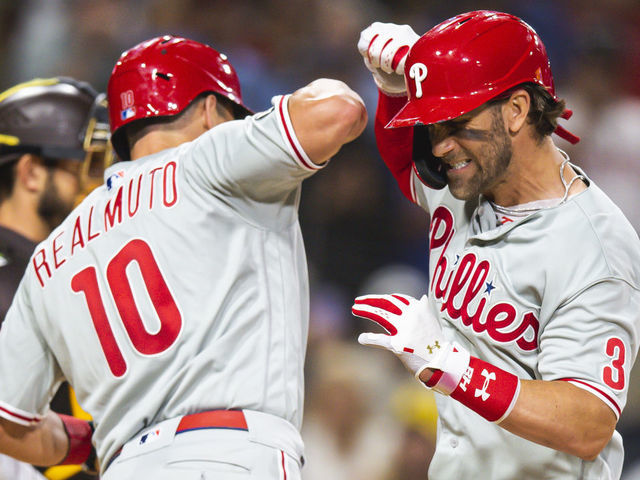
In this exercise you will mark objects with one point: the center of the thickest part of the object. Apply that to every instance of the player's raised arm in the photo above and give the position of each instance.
(384, 48)
(325, 115)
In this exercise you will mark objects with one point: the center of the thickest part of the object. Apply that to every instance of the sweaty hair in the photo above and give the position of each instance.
(139, 128)
(544, 111)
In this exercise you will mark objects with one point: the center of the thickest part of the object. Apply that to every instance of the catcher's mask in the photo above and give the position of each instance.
(461, 64)
(161, 77)
(56, 118)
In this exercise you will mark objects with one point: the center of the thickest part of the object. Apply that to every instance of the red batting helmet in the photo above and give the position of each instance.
(468, 60)
(161, 77)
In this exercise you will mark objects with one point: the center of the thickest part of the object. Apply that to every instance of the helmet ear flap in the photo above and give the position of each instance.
(430, 169)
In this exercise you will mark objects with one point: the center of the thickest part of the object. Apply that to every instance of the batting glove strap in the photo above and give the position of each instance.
(484, 388)
(79, 433)
(450, 364)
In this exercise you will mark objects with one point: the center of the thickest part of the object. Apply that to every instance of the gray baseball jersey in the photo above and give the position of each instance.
(554, 295)
(12, 469)
(178, 286)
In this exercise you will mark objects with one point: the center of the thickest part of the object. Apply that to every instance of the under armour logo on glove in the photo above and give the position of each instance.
(432, 348)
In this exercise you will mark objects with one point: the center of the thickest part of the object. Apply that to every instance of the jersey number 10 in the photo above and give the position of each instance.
(86, 281)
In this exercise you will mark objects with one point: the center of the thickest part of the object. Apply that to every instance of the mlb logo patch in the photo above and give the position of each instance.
(149, 437)
(127, 113)
(112, 179)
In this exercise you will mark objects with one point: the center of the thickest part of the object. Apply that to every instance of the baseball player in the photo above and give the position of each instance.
(530, 326)
(174, 298)
(51, 130)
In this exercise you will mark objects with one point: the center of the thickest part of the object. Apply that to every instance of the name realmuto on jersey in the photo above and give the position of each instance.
(464, 291)
(156, 187)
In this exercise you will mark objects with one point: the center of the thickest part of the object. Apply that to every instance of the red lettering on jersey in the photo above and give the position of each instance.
(503, 316)
(89, 235)
(173, 184)
(59, 247)
(529, 321)
(77, 238)
(460, 280)
(477, 283)
(469, 280)
(441, 220)
(145, 342)
(438, 274)
(56, 249)
(37, 265)
(132, 213)
(465, 286)
(152, 173)
(110, 213)
(441, 234)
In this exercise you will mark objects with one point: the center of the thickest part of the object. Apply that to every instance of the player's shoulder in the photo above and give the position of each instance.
(600, 225)
(604, 219)
(216, 143)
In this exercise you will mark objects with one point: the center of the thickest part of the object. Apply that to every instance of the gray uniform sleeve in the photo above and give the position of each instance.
(592, 341)
(258, 158)
(29, 372)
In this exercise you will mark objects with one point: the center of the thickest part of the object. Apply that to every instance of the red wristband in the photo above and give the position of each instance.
(487, 390)
(79, 433)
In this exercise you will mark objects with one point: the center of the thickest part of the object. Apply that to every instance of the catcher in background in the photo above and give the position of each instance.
(54, 133)
(530, 326)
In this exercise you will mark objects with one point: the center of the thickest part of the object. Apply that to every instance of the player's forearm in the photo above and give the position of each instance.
(394, 144)
(325, 115)
(555, 414)
(43, 444)
(561, 416)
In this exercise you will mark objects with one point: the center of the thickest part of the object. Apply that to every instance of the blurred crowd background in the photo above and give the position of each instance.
(366, 418)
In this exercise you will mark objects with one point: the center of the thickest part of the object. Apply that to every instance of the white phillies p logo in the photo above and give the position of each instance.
(418, 72)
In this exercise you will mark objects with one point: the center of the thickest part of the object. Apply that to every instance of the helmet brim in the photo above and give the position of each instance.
(439, 110)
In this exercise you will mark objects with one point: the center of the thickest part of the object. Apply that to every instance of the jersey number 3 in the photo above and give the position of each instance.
(86, 282)
(613, 374)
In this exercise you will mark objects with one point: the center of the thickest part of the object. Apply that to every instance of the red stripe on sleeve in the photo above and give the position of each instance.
(289, 134)
(601, 392)
(20, 417)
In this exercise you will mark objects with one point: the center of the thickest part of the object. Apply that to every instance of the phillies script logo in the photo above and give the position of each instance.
(464, 291)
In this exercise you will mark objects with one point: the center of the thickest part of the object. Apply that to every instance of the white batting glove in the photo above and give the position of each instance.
(384, 48)
(415, 335)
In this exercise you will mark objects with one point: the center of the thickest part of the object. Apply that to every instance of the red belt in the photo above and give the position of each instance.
(231, 419)
(228, 419)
